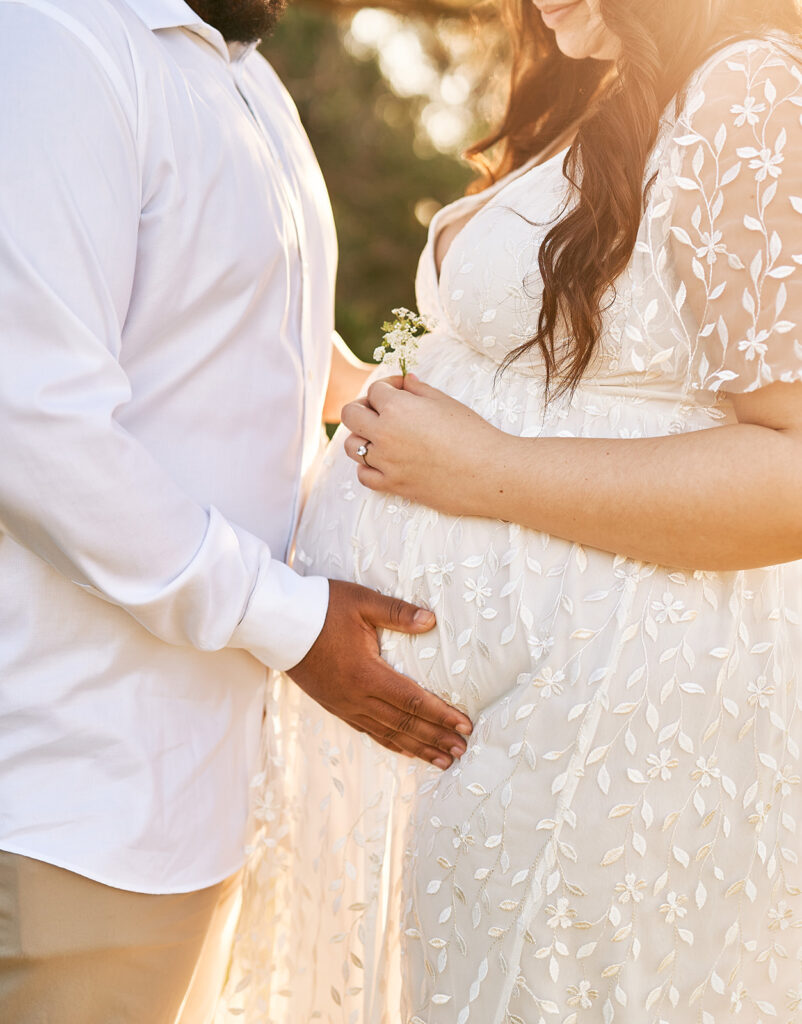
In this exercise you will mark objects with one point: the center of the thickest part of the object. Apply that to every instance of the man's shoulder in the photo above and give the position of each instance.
(109, 21)
(107, 28)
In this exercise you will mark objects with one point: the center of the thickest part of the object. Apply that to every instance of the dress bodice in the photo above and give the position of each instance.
(715, 259)
(472, 297)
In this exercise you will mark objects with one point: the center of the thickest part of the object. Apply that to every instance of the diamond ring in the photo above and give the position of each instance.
(362, 451)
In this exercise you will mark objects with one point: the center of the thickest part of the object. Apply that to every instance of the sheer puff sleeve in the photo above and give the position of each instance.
(736, 227)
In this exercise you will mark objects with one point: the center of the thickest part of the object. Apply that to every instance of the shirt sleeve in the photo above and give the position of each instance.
(75, 488)
(736, 232)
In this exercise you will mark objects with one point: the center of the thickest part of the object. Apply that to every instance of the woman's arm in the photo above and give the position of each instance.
(347, 379)
(720, 499)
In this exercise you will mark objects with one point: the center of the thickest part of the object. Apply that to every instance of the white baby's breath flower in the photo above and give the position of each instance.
(402, 337)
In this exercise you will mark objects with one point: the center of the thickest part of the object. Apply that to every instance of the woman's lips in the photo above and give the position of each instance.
(555, 14)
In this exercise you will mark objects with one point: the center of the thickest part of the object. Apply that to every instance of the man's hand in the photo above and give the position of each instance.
(344, 672)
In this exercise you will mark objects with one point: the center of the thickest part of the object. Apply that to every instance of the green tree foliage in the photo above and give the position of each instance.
(378, 171)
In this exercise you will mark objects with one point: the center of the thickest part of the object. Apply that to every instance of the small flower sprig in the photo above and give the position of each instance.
(402, 337)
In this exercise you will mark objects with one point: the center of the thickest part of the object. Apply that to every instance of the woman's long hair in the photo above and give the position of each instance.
(617, 107)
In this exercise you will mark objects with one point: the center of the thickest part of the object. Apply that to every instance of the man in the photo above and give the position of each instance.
(166, 279)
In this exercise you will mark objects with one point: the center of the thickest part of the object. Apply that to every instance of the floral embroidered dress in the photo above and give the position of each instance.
(622, 840)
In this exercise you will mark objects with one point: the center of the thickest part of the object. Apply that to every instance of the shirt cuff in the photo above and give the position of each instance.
(284, 617)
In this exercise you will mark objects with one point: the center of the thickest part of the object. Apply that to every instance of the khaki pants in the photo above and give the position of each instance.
(73, 951)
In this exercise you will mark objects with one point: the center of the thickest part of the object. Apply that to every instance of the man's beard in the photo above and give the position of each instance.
(240, 21)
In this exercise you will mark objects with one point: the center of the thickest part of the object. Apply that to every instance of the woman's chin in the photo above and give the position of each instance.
(581, 46)
(575, 49)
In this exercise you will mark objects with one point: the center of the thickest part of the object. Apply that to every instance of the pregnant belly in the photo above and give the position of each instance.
(515, 608)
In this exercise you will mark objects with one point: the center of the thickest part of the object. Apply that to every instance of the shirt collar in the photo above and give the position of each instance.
(165, 14)
(158, 14)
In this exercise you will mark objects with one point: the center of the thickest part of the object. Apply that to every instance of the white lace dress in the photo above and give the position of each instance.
(622, 840)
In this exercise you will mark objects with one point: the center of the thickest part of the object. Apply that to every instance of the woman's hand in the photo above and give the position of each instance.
(422, 445)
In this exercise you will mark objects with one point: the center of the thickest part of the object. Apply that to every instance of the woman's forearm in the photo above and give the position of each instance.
(723, 498)
(720, 499)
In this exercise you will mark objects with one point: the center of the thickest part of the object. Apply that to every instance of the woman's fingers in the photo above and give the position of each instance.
(373, 479)
(368, 469)
(382, 392)
(415, 386)
(360, 419)
(352, 444)
(396, 381)
(355, 446)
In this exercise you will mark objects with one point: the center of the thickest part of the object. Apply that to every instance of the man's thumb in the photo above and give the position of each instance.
(393, 613)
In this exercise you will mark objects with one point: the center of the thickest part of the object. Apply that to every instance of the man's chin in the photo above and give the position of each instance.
(240, 21)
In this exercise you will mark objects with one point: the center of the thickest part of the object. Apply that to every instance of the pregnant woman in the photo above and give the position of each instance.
(595, 480)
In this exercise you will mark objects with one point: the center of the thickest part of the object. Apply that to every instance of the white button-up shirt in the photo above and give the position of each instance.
(167, 259)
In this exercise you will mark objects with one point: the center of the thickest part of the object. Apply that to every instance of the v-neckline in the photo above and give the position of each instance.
(490, 194)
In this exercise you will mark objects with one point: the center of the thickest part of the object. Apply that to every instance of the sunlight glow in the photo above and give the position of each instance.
(445, 119)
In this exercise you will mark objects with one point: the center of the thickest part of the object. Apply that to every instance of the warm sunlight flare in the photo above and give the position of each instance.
(411, 72)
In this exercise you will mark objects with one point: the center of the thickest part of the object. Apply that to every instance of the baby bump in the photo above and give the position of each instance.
(515, 608)
(517, 611)
(529, 625)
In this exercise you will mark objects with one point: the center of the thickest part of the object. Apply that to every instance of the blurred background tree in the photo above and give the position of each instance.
(389, 98)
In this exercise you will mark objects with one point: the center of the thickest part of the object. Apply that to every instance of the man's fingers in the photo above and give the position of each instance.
(403, 723)
(418, 703)
(402, 743)
(379, 733)
(393, 613)
(417, 710)
(377, 730)
(343, 671)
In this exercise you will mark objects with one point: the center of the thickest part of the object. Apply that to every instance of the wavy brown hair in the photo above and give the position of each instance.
(617, 109)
